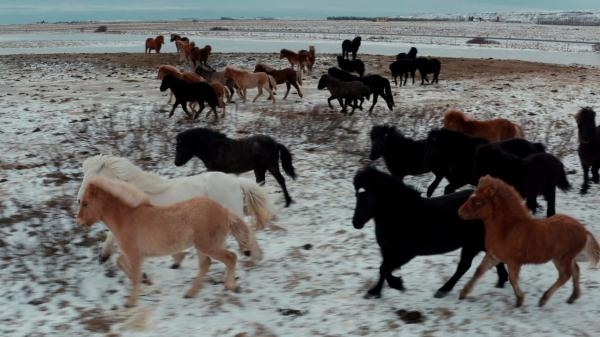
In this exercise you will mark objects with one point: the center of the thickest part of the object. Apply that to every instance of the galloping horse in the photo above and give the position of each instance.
(155, 44)
(244, 79)
(302, 59)
(288, 76)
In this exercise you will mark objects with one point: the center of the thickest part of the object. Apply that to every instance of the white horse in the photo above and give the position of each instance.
(234, 193)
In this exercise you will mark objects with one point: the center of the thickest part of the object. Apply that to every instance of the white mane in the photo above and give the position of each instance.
(126, 192)
(122, 169)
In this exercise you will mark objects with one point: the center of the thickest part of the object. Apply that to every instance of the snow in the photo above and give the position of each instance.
(52, 283)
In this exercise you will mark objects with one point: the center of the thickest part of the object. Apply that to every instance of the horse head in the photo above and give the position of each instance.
(88, 213)
(167, 82)
(183, 150)
(379, 136)
(323, 81)
(586, 125)
(366, 202)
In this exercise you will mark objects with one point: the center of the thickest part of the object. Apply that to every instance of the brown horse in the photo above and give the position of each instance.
(494, 130)
(244, 79)
(221, 92)
(200, 55)
(144, 230)
(154, 43)
(288, 76)
(190, 77)
(516, 238)
(312, 57)
(301, 60)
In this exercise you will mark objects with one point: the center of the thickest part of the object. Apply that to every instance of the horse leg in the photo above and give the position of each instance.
(174, 107)
(108, 247)
(502, 275)
(329, 101)
(200, 108)
(384, 271)
(396, 282)
(513, 277)
(434, 184)
(260, 91)
(177, 258)
(595, 177)
(288, 86)
(274, 169)
(576, 290)
(375, 96)
(184, 107)
(466, 258)
(297, 89)
(532, 204)
(259, 174)
(564, 272)
(586, 178)
(229, 259)
(133, 268)
(450, 188)
(170, 96)
(488, 262)
(203, 264)
(550, 196)
(343, 104)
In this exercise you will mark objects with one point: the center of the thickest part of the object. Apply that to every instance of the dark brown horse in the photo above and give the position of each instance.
(200, 55)
(154, 43)
(288, 76)
(299, 59)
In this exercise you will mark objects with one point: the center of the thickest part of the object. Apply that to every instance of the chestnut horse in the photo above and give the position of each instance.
(144, 230)
(155, 44)
(244, 79)
(516, 238)
(494, 130)
(199, 55)
(299, 59)
(288, 76)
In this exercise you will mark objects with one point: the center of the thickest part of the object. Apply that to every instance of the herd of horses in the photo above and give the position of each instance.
(149, 215)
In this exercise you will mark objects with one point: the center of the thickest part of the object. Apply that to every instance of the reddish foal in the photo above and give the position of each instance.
(494, 130)
(155, 44)
(516, 238)
(300, 59)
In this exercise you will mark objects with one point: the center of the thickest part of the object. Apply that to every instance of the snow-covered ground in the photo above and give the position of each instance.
(57, 110)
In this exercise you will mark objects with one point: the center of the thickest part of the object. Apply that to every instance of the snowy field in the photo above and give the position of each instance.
(57, 110)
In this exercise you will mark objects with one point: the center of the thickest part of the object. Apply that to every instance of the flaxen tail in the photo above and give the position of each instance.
(286, 161)
(256, 203)
(245, 237)
(592, 249)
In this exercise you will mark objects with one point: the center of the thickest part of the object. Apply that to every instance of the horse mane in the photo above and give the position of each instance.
(126, 192)
(503, 197)
(383, 184)
(125, 170)
(286, 51)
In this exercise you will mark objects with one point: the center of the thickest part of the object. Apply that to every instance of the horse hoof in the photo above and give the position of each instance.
(175, 266)
(440, 293)
(370, 295)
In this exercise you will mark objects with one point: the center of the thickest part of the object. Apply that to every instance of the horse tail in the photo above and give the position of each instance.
(563, 182)
(244, 236)
(299, 76)
(256, 203)
(286, 161)
(388, 92)
(592, 249)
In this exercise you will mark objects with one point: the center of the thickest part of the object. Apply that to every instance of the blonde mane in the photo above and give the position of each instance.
(121, 190)
(124, 170)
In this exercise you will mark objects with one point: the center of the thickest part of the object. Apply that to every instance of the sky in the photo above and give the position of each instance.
(24, 11)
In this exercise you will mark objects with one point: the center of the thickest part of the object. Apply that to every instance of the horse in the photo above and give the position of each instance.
(428, 66)
(402, 68)
(240, 195)
(354, 65)
(177, 37)
(295, 58)
(345, 92)
(588, 135)
(532, 174)
(188, 92)
(165, 69)
(184, 50)
(200, 55)
(244, 79)
(514, 237)
(350, 47)
(145, 230)
(402, 155)
(378, 85)
(260, 153)
(154, 43)
(494, 130)
(289, 76)
(312, 57)
(211, 75)
(407, 225)
(412, 54)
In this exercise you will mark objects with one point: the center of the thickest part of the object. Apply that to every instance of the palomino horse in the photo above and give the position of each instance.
(244, 79)
(516, 238)
(238, 194)
(146, 230)
(494, 130)
(299, 59)
(154, 43)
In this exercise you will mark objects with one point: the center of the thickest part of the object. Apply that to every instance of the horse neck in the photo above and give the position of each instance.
(506, 212)
(113, 210)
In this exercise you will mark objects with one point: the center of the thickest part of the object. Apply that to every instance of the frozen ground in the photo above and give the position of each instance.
(57, 110)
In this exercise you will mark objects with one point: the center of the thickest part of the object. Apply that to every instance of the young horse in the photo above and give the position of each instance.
(402, 68)
(378, 85)
(350, 47)
(219, 153)
(289, 76)
(295, 58)
(402, 155)
(154, 43)
(494, 130)
(412, 54)
(407, 225)
(356, 66)
(165, 69)
(588, 135)
(244, 79)
(514, 237)
(145, 230)
(189, 92)
(239, 195)
(347, 93)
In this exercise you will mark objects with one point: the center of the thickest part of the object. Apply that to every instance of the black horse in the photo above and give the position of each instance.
(589, 146)
(407, 225)
(428, 66)
(356, 66)
(378, 85)
(412, 54)
(219, 153)
(402, 156)
(185, 92)
(350, 47)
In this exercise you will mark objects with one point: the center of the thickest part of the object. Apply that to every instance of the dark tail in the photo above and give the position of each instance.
(286, 161)
(388, 93)
(563, 182)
